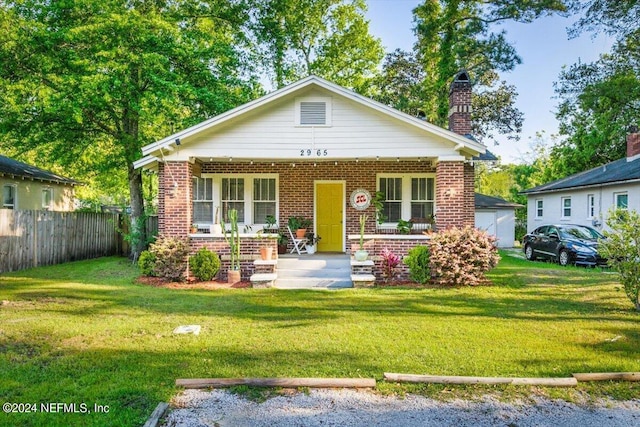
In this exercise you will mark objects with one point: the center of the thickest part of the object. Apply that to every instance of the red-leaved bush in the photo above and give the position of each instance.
(462, 256)
(390, 262)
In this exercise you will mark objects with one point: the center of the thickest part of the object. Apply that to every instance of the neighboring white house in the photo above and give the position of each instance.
(586, 197)
(497, 217)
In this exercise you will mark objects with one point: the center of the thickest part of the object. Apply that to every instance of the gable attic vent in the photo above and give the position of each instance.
(313, 113)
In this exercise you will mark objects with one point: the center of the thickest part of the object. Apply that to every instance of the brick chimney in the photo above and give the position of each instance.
(633, 142)
(460, 104)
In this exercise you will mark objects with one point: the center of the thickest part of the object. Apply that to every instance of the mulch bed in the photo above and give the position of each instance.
(159, 282)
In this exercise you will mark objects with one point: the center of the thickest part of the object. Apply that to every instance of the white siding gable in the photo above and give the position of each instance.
(352, 130)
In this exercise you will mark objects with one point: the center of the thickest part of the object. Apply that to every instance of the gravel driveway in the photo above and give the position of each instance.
(196, 408)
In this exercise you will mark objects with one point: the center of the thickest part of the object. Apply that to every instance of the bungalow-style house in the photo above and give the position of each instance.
(27, 187)
(586, 198)
(317, 150)
(497, 217)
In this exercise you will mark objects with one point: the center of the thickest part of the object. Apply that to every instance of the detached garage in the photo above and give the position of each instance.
(498, 217)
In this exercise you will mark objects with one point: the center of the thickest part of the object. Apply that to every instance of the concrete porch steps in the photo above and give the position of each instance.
(317, 271)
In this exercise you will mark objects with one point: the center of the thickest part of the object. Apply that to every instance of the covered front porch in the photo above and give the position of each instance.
(414, 189)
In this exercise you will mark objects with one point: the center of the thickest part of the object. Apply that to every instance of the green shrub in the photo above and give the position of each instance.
(171, 257)
(418, 261)
(622, 249)
(204, 264)
(462, 256)
(147, 263)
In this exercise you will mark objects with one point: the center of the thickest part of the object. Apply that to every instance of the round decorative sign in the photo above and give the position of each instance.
(360, 199)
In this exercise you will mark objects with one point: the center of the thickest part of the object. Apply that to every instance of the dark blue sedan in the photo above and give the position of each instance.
(566, 244)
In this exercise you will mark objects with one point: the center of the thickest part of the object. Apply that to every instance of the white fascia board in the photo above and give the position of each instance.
(141, 163)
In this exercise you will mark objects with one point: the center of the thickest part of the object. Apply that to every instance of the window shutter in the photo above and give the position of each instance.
(313, 113)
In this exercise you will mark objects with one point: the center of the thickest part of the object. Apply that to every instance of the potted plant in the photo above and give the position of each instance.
(378, 203)
(313, 240)
(216, 228)
(194, 228)
(431, 224)
(361, 254)
(282, 244)
(271, 226)
(299, 224)
(404, 227)
(266, 251)
(232, 237)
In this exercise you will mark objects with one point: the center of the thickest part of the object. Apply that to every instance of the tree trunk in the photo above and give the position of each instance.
(131, 130)
(138, 226)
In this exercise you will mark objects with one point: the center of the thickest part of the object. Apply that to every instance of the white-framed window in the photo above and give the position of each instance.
(254, 196)
(391, 187)
(565, 202)
(313, 111)
(591, 206)
(422, 197)
(264, 199)
(621, 200)
(232, 197)
(47, 198)
(9, 196)
(407, 196)
(202, 200)
(539, 208)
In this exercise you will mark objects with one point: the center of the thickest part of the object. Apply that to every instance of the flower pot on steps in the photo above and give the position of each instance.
(266, 253)
(233, 276)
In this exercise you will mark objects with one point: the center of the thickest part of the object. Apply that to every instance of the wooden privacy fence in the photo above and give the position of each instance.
(35, 238)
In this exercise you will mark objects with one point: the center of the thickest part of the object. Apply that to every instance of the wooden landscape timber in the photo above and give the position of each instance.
(440, 379)
(608, 376)
(278, 382)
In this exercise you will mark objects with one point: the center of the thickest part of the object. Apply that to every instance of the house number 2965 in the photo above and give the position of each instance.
(309, 152)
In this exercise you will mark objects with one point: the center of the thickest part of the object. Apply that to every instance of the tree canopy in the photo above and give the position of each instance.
(454, 35)
(90, 82)
(328, 38)
(599, 101)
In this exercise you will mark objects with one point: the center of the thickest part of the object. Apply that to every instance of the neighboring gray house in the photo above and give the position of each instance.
(497, 217)
(586, 197)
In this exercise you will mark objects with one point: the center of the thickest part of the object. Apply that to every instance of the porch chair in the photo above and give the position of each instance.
(299, 245)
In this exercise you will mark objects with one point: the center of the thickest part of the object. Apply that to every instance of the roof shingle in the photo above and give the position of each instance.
(612, 173)
(11, 167)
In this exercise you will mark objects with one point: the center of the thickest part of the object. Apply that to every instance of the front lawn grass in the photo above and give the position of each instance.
(84, 332)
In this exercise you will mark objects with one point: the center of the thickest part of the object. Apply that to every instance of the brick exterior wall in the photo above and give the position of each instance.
(469, 206)
(460, 107)
(633, 144)
(297, 184)
(249, 251)
(399, 245)
(174, 198)
(454, 195)
(454, 189)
